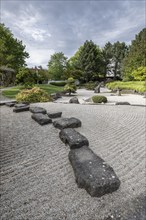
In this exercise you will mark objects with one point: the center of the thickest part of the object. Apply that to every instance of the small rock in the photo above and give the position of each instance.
(73, 138)
(67, 123)
(96, 179)
(37, 110)
(54, 115)
(122, 103)
(42, 119)
(74, 100)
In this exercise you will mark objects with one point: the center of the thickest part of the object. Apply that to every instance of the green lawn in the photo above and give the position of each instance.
(11, 93)
(139, 86)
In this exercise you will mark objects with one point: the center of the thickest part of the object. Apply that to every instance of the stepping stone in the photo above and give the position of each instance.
(92, 172)
(73, 138)
(5, 102)
(54, 115)
(41, 119)
(20, 105)
(10, 104)
(67, 123)
(21, 109)
(122, 103)
(37, 110)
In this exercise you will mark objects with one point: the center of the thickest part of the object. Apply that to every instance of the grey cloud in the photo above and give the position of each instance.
(65, 25)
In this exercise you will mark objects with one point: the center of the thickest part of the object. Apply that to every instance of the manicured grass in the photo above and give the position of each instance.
(11, 93)
(139, 86)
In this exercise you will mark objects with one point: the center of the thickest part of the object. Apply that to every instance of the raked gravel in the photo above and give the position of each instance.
(37, 180)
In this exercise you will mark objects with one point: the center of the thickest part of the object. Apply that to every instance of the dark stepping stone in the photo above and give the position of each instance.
(74, 100)
(5, 102)
(10, 104)
(42, 119)
(37, 110)
(67, 123)
(73, 138)
(20, 105)
(92, 172)
(21, 109)
(54, 115)
(122, 103)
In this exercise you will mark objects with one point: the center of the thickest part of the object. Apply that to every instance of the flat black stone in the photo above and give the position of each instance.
(67, 123)
(92, 173)
(133, 209)
(122, 103)
(37, 110)
(4, 102)
(10, 104)
(21, 109)
(73, 138)
(19, 105)
(41, 119)
(54, 115)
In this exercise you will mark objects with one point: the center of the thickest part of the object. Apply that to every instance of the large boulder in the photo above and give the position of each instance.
(92, 172)
(73, 138)
(67, 123)
(37, 110)
(74, 100)
(41, 119)
(54, 115)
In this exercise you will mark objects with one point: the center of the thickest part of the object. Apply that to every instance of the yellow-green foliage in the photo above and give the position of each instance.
(33, 95)
(99, 99)
(70, 87)
(140, 73)
(139, 86)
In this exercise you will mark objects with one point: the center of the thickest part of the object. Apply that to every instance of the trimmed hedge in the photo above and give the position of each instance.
(99, 99)
(33, 95)
(61, 83)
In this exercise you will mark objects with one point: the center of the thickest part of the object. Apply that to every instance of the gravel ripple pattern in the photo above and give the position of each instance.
(37, 180)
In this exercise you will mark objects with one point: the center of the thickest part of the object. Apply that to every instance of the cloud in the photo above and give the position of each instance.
(46, 27)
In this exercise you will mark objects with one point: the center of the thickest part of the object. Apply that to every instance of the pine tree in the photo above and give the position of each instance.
(136, 56)
(90, 60)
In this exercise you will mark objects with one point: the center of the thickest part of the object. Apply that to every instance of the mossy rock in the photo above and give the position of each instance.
(99, 99)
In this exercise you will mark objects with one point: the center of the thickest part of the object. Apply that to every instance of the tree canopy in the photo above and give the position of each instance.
(90, 60)
(136, 55)
(57, 66)
(12, 50)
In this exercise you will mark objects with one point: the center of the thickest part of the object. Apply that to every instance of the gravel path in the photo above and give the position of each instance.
(37, 180)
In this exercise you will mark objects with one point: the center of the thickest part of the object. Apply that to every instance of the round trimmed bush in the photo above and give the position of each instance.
(59, 83)
(99, 99)
(33, 95)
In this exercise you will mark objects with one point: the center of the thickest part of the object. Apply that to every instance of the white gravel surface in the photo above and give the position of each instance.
(37, 180)
(83, 94)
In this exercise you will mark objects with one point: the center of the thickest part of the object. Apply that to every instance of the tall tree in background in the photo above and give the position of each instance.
(57, 66)
(106, 57)
(136, 57)
(90, 61)
(12, 51)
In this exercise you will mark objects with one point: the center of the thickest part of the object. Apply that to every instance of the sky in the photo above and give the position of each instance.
(50, 26)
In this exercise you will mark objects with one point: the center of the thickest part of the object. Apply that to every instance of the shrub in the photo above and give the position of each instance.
(61, 83)
(70, 87)
(90, 85)
(99, 99)
(33, 95)
(140, 73)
